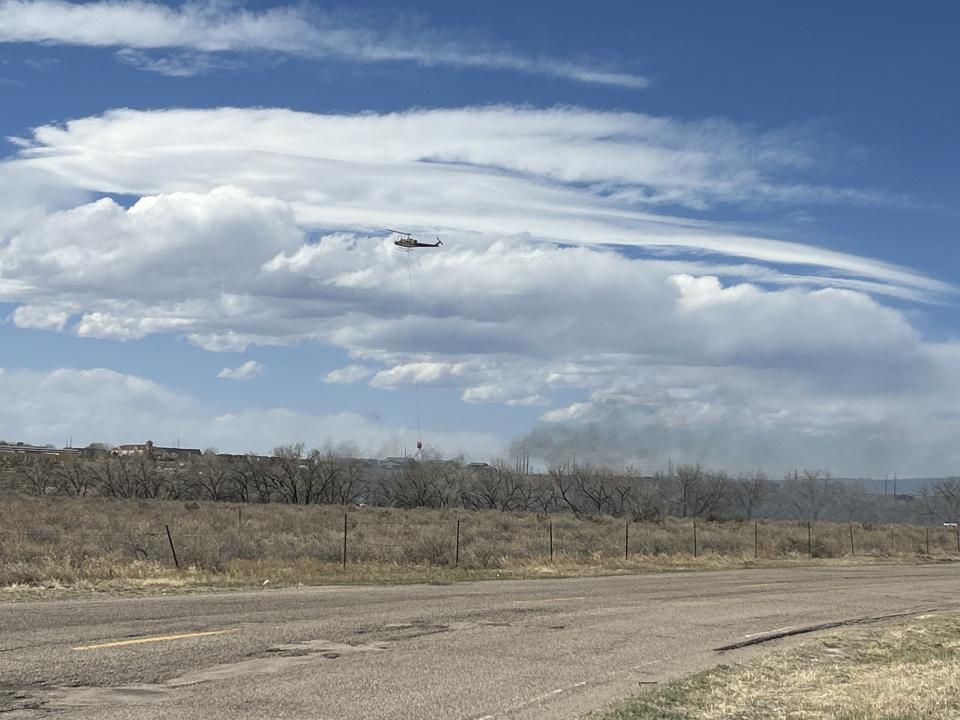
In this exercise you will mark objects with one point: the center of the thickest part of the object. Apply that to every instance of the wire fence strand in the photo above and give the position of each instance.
(462, 540)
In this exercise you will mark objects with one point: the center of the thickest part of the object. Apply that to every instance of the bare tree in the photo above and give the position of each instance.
(415, 486)
(750, 491)
(540, 493)
(492, 487)
(39, 471)
(624, 487)
(212, 475)
(252, 480)
(449, 480)
(699, 492)
(807, 494)
(285, 472)
(176, 482)
(853, 503)
(74, 477)
(114, 477)
(651, 498)
(592, 485)
(564, 487)
(149, 478)
(318, 477)
(941, 499)
(351, 485)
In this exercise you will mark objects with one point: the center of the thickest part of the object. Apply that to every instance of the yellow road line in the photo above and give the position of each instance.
(155, 638)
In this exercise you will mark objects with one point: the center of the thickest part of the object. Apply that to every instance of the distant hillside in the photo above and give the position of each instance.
(905, 486)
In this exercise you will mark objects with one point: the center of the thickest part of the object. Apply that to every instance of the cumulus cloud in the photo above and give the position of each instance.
(348, 374)
(207, 28)
(509, 321)
(262, 228)
(43, 317)
(248, 371)
(100, 405)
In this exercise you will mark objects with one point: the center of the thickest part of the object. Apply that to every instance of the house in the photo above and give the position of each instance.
(21, 448)
(398, 462)
(156, 452)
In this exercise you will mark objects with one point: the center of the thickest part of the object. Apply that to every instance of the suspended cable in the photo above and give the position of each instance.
(411, 319)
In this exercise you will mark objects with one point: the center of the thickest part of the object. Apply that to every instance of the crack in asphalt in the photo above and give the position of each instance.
(807, 629)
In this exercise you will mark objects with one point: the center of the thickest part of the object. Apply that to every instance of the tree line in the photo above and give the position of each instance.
(296, 475)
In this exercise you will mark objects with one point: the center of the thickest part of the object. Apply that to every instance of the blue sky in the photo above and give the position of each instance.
(721, 233)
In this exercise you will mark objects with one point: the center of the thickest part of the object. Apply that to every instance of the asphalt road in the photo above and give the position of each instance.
(510, 649)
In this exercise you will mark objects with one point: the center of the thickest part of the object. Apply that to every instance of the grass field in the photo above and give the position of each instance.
(908, 671)
(60, 544)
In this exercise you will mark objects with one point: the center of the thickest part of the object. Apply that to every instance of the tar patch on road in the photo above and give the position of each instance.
(18, 701)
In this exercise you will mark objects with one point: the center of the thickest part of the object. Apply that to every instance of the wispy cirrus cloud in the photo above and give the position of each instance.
(185, 63)
(214, 28)
(565, 174)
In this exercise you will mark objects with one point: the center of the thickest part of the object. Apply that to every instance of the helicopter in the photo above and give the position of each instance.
(408, 241)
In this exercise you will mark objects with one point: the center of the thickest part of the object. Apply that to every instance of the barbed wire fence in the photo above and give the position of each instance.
(463, 541)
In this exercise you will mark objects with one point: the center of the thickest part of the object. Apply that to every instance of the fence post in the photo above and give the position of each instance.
(551, 541)
(344, 541)
(456, 562)
(756, 540)
(172, 548)
(694, 538)
(626, 540)
(852, 553)
(809, 539)
(928, 540)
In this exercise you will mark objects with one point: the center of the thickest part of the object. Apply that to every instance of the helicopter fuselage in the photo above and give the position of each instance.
(411, 243)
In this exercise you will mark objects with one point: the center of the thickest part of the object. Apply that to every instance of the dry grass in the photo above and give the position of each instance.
(59, 578)
(60, 544)
(904, 672)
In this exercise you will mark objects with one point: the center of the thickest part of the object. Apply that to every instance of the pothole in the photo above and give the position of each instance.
(415, 629)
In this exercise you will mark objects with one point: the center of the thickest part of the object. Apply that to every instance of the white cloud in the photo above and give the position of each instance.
(180, 64)
(477, 171)
(52, 406)
(501, 321)
(43, 317)
(248, 371)
(783, 343)
(348, 374)
(207, 28)
(100, 405)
